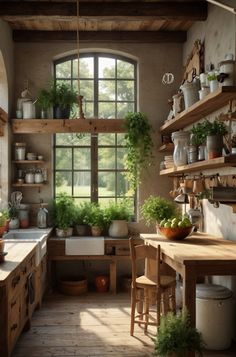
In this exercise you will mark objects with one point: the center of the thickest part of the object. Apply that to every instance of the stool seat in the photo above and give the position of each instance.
(165, 281)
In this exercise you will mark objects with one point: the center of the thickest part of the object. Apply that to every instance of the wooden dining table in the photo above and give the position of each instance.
(198, 255)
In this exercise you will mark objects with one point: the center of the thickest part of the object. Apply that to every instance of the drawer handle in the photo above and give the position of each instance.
(15, 281)
(14, 326)
(13, 304)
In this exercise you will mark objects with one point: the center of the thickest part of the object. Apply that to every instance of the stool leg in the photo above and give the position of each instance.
(146, 309)
(133, 304)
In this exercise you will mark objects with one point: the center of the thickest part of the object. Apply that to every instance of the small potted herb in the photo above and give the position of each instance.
(81, 212)
(215, 132)
(198, 139)
(176, 337)
(213, 82)
(44, 101)
(63, 97)
(95, 219)
(116, 215)
(156, 208)
(63, 215)
(14, 222)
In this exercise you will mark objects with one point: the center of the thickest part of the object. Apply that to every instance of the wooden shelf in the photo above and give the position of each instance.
(34, 185)
(51, 126)
(166, 148)
(20, 162)
(223, 161)
(200, 109)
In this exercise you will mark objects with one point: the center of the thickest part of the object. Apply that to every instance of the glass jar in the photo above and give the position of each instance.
(20, 151)
(181, 142)
(42, 218)
(24, 216)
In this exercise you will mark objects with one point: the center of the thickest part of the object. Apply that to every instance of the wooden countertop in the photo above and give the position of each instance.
(17, 252)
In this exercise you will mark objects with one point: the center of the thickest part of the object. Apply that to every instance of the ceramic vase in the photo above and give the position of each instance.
(118, 229)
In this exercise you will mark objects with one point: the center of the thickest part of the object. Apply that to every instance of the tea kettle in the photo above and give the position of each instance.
(38, 176)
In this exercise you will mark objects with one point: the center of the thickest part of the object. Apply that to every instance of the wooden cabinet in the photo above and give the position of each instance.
(17, 293)
(196, 112)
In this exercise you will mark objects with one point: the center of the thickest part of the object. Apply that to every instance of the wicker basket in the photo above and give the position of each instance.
(73, 285)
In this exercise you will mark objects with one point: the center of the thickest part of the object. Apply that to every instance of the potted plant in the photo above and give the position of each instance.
(156, 208)
(95, 219)
(62, 97)
(176, 337)
(215, 132)
(198, 139)
(116, 215)
(14, 222)
(139, 146)
(44, 101)
(213, 82)
(81, 212)
(63, 215)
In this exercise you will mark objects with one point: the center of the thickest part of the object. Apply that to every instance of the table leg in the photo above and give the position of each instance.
(189, 294)
(113, 277)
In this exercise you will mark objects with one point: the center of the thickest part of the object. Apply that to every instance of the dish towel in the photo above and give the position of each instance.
(85, 246)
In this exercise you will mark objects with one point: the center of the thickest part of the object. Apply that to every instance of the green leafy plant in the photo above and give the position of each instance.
(12, 211)
(198, 132)
(3, 218)
(62, 95)
(175, 335)
(63, 211)
(44, 99)
(156, 208)
(216, 127)
(117, 211)
(212, 76)
(139, 146)
(81, 212)
(95, 216)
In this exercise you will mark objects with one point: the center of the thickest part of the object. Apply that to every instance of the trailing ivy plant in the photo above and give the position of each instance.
(139, 146)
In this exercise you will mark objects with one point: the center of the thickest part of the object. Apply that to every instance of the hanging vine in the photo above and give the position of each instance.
(139, 146)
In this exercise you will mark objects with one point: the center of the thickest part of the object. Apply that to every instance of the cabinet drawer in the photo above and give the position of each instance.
(15, 283)
(122, 250)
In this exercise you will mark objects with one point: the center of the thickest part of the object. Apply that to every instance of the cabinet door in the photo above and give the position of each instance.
(14, 319)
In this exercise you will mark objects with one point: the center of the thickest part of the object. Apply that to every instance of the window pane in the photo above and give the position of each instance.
(64, 159)
(123, 109)
(120, 139)
(106, 184)
(63, 70)
(122, 184)
(88, 109)
(104, 202)
(82, 184)
(82, 159)
(120, 158)
(106, 67)
(81, 200)
(125, 90)
(130, 204)
(125, 69)
(86, 67)
(106, 158)
(106, 90)
(87, 89)
(63, 182)
(106, 110)
(106, 139)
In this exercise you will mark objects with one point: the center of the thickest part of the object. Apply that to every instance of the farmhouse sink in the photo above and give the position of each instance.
(30, 235)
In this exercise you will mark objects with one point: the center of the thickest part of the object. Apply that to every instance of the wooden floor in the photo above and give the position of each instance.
(89, 325)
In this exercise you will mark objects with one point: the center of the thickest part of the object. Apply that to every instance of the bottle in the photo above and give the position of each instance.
(42, 217)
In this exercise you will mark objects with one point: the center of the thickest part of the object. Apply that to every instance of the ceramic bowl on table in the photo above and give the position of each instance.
(178, 233)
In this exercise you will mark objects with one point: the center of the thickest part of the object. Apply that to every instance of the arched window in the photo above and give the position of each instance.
(90, 167)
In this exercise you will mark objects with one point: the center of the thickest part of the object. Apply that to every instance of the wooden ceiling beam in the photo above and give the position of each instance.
(100, 36)
(169, 10)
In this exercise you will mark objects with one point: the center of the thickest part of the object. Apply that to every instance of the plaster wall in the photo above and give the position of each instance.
(219, 36)
(34, 62)
(6, 90)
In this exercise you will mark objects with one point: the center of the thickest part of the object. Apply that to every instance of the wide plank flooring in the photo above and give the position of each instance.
(89, 325)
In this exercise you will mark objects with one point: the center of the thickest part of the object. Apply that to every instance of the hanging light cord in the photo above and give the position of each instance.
(80, 97)
(223, 6)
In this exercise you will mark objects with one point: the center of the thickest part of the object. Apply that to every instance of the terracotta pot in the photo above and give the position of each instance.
(64, 233)
(214, 146)
(96, 231)
(102, 283)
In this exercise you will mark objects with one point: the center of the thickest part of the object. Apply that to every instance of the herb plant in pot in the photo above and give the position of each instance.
(156, 208)
(215, 132)
(63, 97)
(138, 142)
(81, 212)
(95, 219)
(63, 215)
(116, 216)
(176, 337)
(44, 101)
(198, 139)
(13, 213)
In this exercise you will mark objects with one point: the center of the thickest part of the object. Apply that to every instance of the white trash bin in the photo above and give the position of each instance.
(215, 315)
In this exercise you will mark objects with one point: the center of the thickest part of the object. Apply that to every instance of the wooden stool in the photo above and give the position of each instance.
(147, 290)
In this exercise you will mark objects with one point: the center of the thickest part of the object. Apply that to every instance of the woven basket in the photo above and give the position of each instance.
(73, 285)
